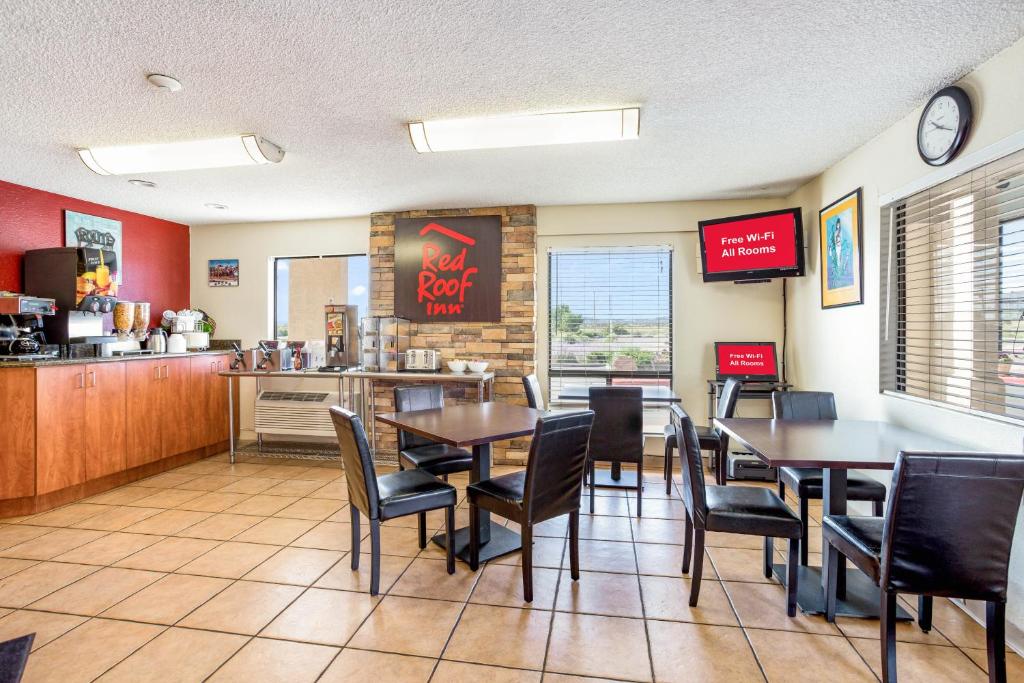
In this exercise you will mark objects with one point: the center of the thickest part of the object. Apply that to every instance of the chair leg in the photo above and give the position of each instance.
(668, 469)
(449, 537)
(698, 566)
(831, 598)
(995, 630)
(687, 543)
(924, 612)
(877, 508)
(804, 517)
(592, 474)
(782, 488)
(527, 530)
(474, 537)
(639, 488)
(769, 550)
(422, 524)
(887, 626)
(574, 545)
(355, 537)
(374, 556)
(723, 477)
(792, 574)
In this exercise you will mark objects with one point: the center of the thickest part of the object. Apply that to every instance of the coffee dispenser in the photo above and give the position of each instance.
(342, 325)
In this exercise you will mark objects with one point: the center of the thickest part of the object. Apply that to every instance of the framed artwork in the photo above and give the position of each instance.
(94, 232)
(223, 272)
(842, 254)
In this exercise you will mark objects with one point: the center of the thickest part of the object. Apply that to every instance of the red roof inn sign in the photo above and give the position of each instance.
(448, 269)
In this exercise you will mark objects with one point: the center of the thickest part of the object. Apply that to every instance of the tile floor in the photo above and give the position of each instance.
(241, 572)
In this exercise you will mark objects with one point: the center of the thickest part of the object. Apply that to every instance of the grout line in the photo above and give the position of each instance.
(554, 601)
(640, 592)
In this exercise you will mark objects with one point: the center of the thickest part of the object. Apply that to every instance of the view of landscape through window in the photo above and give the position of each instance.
(304, 285)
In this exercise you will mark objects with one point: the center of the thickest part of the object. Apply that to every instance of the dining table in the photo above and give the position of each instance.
(475, 426)
(834, 446)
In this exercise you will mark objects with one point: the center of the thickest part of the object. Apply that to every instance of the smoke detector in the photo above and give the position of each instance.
(165, 83)
(141, 183)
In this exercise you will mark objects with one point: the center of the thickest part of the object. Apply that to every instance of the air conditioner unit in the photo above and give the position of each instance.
(295, 413)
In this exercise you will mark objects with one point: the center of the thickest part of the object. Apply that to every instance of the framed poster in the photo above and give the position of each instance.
(223, 272)
(83, 230)
(842, 253)
(448, 269)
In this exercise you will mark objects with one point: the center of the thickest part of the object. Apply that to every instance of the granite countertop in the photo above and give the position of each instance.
(111, 359)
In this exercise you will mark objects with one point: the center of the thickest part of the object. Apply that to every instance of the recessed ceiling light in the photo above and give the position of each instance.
(238, 150)
(165, 83)
(218, 207)
(141, 183)
(525, 131)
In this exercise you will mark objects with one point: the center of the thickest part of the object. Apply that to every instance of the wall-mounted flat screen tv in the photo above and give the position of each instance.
(757, 246)
(751, 361)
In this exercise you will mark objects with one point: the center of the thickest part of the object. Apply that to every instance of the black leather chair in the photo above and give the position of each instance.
(14, 657)
(388, 496)
(710, 438)
(550, 487)
(618, 433)
(947, 532)
(534, 397)
(750, 510)
(417, 452)
(808, 482)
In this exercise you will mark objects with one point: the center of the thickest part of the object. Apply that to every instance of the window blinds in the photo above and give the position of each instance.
(952, 294)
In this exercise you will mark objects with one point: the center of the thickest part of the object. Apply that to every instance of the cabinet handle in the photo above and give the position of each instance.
(213, 367)
(80, 380)
(92, 378)
(166, 372)
(156, 373)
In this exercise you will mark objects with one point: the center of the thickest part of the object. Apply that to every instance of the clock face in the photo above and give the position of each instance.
(944, 125)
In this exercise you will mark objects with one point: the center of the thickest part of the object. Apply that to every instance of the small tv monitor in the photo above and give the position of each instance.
(757, 246)
(750, 361)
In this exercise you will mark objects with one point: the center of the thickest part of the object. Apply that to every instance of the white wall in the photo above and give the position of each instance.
(837, 349)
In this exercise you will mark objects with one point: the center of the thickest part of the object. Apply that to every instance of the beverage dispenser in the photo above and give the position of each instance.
(341, 325)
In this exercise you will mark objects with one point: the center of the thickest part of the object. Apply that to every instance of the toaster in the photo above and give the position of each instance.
(422, 359)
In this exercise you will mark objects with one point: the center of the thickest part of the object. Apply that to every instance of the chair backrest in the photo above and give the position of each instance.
(618, 433)
(557, 462)
(804, 405)
(534, 398)
(949, 524)
(355, 455)
(727, 399)
(694, 492)
(417, 397)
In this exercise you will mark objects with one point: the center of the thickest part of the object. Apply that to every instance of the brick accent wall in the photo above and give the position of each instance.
(509, 346)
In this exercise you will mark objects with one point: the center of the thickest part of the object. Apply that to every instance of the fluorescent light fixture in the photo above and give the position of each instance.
(238, 150)
(525, 131)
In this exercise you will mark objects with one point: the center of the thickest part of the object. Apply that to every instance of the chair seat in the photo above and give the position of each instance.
(410, 491)
(670, 437)
(858, 538)
(507, 489)
(707, 438)
(751, 510)
(808, 482)
(437, 459)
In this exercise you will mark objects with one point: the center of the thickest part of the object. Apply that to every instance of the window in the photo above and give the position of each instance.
(303, 285)
(953, 291)
(610, 317)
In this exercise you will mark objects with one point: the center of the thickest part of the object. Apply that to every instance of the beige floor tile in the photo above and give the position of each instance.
(250, 485)
(214, 502)
(125, 495)
(166, 498)
(428, 578)
(622, 652)
(617, 506)
(209, 466)
(67, 515)
(57, 542)
(502, 584)
(605, 528)
(168, 600)
(230, 560)
(341, 576)
(720, 539)
(294, 487)
(738, 564)
(916, 662)
(282, 471)
(387, 629)
(167, 480)
(276, 531)
(957, 625)
(97, 592)
(10, 565)
(209, 482)
(668, 598)
(13, 534)
(399, 540)
(616, 595)
(168, 555)
(763, 605)
(38, 581)
(87, 651)
(324, 471)
(358, 666)
(179, 655)
(242, 469)
(566, 678)
(328, 536)
(221, 526)
(243, 607)
(701, 652)
(1014, 663)
(109, 549)
(311, 508)
(547, 552)
(46, 625)
(299, 566)
(605, 556)
(117, 518)
(666, 560)
(263, 659)
(262, 504)
(461, 672)
(791, 656)
(906, 631)
(168, 522)
(524, 635)
(664, 508)
(322, 616)
(335, 490)
(652, 530)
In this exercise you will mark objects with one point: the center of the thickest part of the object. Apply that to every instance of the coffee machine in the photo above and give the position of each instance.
(21, 336)
(342, 331)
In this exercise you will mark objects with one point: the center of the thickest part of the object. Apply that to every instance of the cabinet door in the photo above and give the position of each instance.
(143, 410)
(18, 435)
(106, 421)
(60, 427)
(218, 412)
(175, 407)
(201, 369)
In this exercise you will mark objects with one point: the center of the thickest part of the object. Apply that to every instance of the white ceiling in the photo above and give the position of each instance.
(738, 98)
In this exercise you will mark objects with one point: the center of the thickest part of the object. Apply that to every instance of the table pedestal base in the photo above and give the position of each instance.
(862, 598)
(503, 541)
(606, 479)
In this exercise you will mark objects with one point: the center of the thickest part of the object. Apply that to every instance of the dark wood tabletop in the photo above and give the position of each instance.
(652, 394)
(838, 444)
(470, 424)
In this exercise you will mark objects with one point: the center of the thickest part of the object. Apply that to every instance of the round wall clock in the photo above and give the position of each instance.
(944, 126)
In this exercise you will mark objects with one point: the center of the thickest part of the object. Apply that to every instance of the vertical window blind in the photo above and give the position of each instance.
(952, 294)
(610, 316)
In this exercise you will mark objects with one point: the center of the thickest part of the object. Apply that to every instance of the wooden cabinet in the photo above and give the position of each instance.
(175, 396)
(208, 399)
(143, 391)
(18, 435)
(106, 427)
(60, 427)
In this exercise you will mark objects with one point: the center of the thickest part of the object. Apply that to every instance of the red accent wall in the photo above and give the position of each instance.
(156, 252)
